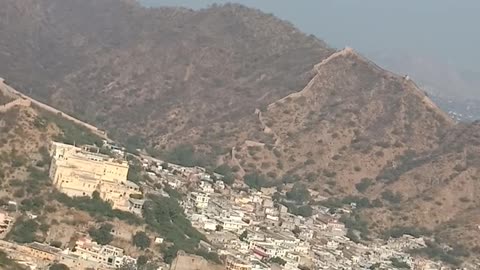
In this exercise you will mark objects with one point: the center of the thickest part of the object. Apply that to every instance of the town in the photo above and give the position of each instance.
(243, 228)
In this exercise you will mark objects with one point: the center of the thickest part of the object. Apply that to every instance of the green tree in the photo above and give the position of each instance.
(287, 179)
(226, 171)
(7, 263)
(299, 193)
(391, 197)
(364, 184)
(103, 234)
(141, 240)
(56, 243)
(142, 260)
(399, 264)
(305, 211)
(355, 223)
(135, 171)
(244, 235)
(278, 260)
(211, 256)
(96, 207)
(23, 230)
(165, 165)
(166, 217)
(183, 154)
(58, 266)
(71, 132)
(255, 180)
(133, 143)
(353, 236)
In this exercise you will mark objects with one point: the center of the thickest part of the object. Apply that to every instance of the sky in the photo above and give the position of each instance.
(445, 30)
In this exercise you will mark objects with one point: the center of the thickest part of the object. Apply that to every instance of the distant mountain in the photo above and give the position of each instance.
(462, 110)
(455, 92)
(247, 89)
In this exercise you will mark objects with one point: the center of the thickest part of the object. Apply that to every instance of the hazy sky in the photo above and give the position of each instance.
(443, 29)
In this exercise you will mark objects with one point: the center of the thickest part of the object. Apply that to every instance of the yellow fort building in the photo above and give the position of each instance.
(77, 171)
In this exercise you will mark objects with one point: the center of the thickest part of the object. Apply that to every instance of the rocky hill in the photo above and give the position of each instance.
(350, 121)
(359, 132)
(437, 189)
(26, 131)
(164, 73)
(256, 93)
(20, 123)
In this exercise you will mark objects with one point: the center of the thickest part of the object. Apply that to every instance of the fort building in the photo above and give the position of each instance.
(78, 171)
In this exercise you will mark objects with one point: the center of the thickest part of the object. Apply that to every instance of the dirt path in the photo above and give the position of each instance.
(266, 128)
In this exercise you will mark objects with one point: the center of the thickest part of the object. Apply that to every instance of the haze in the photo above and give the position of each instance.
(434, 40)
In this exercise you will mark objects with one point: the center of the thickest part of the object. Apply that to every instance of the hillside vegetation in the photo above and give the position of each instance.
(25, 135)
(242, 92)
(161, 74)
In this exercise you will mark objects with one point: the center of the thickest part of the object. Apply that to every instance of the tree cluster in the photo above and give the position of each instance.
(103, 234)
(166, 217)
(23, 230)
(96, 207)
(299, 193)
(227, 172)
(141, 240)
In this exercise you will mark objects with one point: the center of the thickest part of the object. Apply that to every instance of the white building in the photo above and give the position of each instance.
(199, 199)
(230, 224)
(106, 255)
(210, 225)
(206, 187)
(219, 185)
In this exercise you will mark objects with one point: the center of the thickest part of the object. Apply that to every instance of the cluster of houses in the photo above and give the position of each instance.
(86, 254)
(253, 232)
(246, 227)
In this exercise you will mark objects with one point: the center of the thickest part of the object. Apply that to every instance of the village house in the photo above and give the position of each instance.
(114, 148)
(206, 187)
(106, 255)
(231, 224)
(237, 263)
(41, 252)
(219, 185)
(199, 199)
(73, 261)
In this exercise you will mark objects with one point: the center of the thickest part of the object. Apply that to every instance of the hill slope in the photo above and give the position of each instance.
(164, 73)
(356, 129)
(173, 76)
(439, 190)
(350, 121)
(26, 133)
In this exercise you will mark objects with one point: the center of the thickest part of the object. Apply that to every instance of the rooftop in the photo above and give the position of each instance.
(44, 248)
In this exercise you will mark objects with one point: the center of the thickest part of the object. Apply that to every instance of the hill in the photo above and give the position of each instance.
(232, 85)
(350, 121)
(426, 187)
(165, 73)
(26, 133)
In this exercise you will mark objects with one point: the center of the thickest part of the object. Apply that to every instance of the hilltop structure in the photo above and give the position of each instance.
(77, 172)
